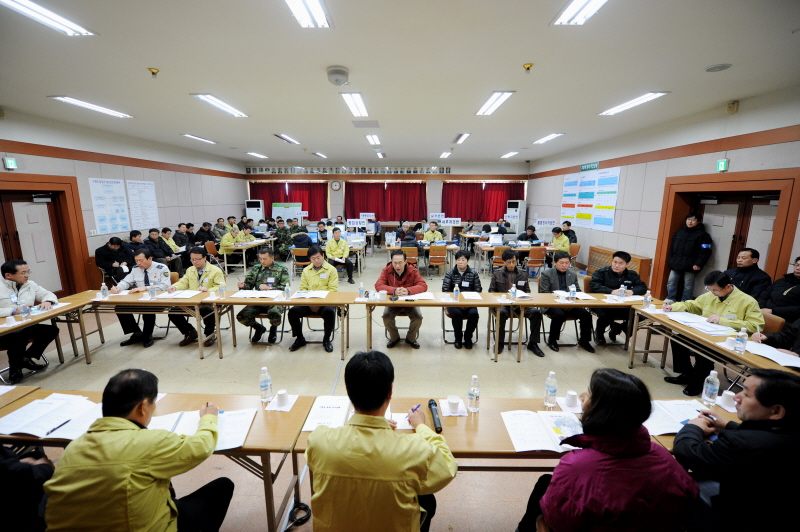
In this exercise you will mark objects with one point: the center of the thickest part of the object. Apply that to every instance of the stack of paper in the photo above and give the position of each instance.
(540, 431)
(669, 417)
(272, 294)
(420, 297)
(471, 295)
(784, 359)
(612, 298)
(579, 295)
(43, 417)
(178, 294)
(234, 425)
(327, 411)
(307, 294)
(36, 310)
(700, 323)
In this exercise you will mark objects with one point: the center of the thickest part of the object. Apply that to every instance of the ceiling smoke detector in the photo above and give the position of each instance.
(338, 75)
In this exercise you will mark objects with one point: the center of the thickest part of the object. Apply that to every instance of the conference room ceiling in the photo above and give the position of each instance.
(424, 68)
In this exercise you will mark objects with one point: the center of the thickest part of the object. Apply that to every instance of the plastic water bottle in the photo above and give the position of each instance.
(221, 291)
(572, 294)
(287, 292)
(621, 293)
(152, 291)
(103, 291)
(648, 300)
(361, 290)
(550, 390)
(265, 381)
(474, 395)
(457, 293)
(741, 341)
(513, 293)
(710, 389)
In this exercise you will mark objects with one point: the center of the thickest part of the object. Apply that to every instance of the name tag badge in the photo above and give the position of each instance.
(465, 284)
(730, 316)
(323, 276)
(205, 280)
(270, 280)
(521, 283)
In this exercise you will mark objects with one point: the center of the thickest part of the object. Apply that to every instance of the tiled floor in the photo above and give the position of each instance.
(474, 501)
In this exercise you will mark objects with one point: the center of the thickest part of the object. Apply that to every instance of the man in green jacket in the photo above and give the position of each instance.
(264, 276)
(117, 475)
(203, 277)
(283, 239)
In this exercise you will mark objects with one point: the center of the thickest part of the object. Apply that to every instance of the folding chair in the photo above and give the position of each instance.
(108, 279)
(29, 373)
(573, 320)
(574, 249)
(445, 330)
(299, 260)
(438, 257)
(536, 259)
(497, 258)
(412, 255)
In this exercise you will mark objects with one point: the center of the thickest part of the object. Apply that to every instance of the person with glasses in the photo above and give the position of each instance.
(722, 303)
(203, 277)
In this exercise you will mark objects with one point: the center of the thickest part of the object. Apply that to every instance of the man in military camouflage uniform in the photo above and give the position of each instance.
(283, 240)
(265, 276)
(294, 225)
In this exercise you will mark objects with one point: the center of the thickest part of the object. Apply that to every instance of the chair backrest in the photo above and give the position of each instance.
(574, 249)
(301, 255)
(411, 253)
(483, 239)
(437, 255)
(419, 236)
(772, 323)
(173, 277)
(497, 257)
(586, 281)
(536, 256)
(211, 249)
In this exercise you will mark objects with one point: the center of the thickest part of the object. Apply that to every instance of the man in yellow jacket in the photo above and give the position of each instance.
(204, 277)
(560, 242)
(337, 251)
(319, 275)
(117, 475)
(723, 304)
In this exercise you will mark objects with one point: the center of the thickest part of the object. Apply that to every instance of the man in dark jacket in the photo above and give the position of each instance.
(21, 481)
(301, 239)
(765, 443)
(502, 227)
(784, 296)
(205, 234)
(467, 280)
(162, 252)
(566, 226)
(787, 340)
(691, 249)
(112, 257)
(502, 281)
(607, 280)
(181, 238)
(136, 243)
(748, 277)
(561, 278)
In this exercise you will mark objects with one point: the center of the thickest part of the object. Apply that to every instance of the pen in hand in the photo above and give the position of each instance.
(415, 409)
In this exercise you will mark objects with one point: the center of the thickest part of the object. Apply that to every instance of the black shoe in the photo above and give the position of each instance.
(457, 344)
(553, 345)
(259, 331)
(351, 281)
(148, 342)
(614, 331)
(599, 338)
(468, 344)
(298, 343)
(328, 346)
(414, 344)
(693, 389)
(273, 334)
(391, 343)
(680, 379)
(15, 376)
(536, 350)
(586, 345)
(27, 363)
(500, 347)
(134, 339)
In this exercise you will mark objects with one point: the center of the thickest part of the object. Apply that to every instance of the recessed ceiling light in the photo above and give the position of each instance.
(46, 17)
(719, 68)
(219, 104)
(355, 102)
(578, 12)
(254, 154)
(373, 140)
(318, 154)
(445, 154)
(461, 138)
(509, 154)
(381, 155)
(87, 105)
(548, 137)
(309, 13)
(633, 103)
(286, 138)
(201, 139)
(494, 101)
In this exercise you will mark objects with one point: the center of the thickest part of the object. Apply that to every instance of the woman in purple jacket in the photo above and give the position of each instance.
(618, 480)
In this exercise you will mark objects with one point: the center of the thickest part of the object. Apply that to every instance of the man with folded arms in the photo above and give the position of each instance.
(203, 277)
(268, 275)
(338, 251)
(467, 280)
(607, 280)
(117, 475)
(561, 278)
(319, 275)
(748, 277)
(400, 279)
(367, 476)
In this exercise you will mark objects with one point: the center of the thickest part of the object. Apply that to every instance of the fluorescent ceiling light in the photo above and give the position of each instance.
(445, 154)
(254, 154)
(548, 137)
(373, 140)
(87, 105)
(355, 102)
(201, 139)
(494, 101)
(309, 13)
(318, 154)
(461, 138)
(509, 154)
(286, 138)
(46, 17)
(381, 155)
(633, 103)
(578, 12)
(219, 104)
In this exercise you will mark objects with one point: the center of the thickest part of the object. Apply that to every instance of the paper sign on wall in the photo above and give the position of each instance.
(589, 199)
(367, 216)
(451, 221)
(302, 214)
(144, 206)
(511, 217)
(436, 216)
(110, 205)
(356, 222)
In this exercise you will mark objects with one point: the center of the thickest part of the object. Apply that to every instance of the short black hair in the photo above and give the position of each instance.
(779, 388)
(368, 378)
(624, 255)
(567, 223)
(435, 223)
(134, 233)
(266, 251)
(753, 252)
(470, 220)
(11, 266)
(189, 225)
(335, 229)
(619, 403)
(463, 253)
(397, 252)
(486, 228)
(558, 255)
(718, 278)
(180, 224)
(229, 217)
(165, 230)
(281, 221)
(143, 251)
(509, 254)
(115, 241)
(530, 228)
(206, 224)
(313, 250)
(127, 389)
(321, 223)
(557, 230)
(695, 215)
(198, 251)
(153, 229)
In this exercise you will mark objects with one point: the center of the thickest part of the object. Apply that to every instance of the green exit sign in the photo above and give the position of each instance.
(9, 163)
(590, 166)
(722, 165)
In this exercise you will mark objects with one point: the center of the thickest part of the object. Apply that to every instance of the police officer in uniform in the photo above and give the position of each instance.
(147, 273)
(264, 276)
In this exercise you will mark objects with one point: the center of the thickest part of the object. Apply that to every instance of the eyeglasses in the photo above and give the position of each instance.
(715, 291)
(24, 272)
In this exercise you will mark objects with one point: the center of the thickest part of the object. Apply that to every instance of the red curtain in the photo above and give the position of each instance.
(313, 196)
(407, 201)
(269, 193)
(463, 200)
(495, 196)
(364, 197)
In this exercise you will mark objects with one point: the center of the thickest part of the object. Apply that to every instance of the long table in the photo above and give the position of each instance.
(243, 248)
(271, 433)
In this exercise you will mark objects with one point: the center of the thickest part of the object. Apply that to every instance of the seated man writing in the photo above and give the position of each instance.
(319, 275)
(367, 477)
(338, 251)
(787, 340)
(267, 275)
(608, 280)
(204, 277)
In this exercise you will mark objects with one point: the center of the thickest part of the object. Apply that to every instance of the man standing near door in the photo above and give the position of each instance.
(17, 290)
(690, 250)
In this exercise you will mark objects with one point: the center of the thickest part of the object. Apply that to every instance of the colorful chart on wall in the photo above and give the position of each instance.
(589, 199)
(110, 205)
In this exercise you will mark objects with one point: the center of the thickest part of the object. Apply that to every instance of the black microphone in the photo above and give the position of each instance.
(437, 425)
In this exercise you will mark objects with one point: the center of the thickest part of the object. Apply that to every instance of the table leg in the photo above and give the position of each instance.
(348, 327)
(72, 339)
(232, 320)
(85, 341)
(225, 256)
(269, 498)
(58, 344)
(200, 336)
(342, 331)
(100, 328)
(630, 328)
(497, 331)
(519, 334)
(370, 308)
(217, 329)
(632, 346)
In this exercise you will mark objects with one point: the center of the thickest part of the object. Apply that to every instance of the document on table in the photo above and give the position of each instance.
(540, 431)
(178, 294)
(36, 310)
(471, 296)
(271, 294)
(43, 416)
(309, 294)
(6, 389)
(402, 421)
(327, 411)
(120, 293)
(669, 417)
(418, 297)
(78, 426)
(180, 249)
(653, 310)
(766, 351)
(578, 295)
(611, 298)
(233, 425)
(699, 322)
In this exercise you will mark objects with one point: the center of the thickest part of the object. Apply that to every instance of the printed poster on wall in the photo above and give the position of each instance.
(110, 205)
(589, 199)
(143, 204)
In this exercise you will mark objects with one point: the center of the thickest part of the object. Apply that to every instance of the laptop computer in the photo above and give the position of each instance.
(495, 240)
(314, 237)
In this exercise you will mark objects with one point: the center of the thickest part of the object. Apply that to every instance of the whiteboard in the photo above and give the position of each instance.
(143, 204)
(286, 210)
(109, 205)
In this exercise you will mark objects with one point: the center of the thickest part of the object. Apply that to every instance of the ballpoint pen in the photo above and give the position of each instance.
(415, 409)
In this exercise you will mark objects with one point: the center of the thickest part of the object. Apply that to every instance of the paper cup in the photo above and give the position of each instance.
(571, 399)
(730, 343)
(726, 399)
(382, 294)
(453, 402)
(282, 398)
(146, 296)
(10, 320)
